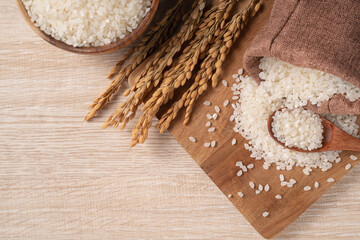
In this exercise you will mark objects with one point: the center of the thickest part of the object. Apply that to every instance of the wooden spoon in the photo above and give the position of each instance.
(333, 138)
(108, 48)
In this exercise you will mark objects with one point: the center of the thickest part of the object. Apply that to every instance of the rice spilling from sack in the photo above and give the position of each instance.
(292, 87)
(298, 128)
(85, 23)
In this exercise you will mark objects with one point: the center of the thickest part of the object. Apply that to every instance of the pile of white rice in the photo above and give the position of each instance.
(287, 86)
(85, 23)
(298, 128)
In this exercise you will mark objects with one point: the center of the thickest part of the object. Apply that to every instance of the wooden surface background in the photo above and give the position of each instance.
(63, 178)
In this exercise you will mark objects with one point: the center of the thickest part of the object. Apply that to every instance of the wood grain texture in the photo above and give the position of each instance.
(62, 178)
(108, 48)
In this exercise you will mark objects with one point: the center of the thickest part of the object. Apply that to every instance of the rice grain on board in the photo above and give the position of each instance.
(291, 87)
(192, 139)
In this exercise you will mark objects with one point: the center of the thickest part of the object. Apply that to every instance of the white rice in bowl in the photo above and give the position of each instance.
(85, 23)
(287, 86)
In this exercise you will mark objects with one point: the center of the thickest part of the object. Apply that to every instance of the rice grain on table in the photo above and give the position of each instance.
(250, 166)
(86, 23)
(307, 188)
(209, 116)
(207, 144)
(215, 116)
(278, 196)
(265, 214)
(226, 102)
(213, 143)
(252, 185)
(267, 187)
(241, 194)
(208, 124)
(207, 103)
(352, 157)
(316, 184)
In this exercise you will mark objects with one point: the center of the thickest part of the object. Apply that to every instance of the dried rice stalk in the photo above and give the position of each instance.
(182, 72)
(210, 68)
(153, 39)
(154, 70)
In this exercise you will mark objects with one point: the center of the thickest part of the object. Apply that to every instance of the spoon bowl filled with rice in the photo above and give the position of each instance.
(89, 26)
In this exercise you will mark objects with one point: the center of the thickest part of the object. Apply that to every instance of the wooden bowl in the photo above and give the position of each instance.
(108, 48)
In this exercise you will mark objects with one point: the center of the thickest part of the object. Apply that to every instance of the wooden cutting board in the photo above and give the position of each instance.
(219, 162)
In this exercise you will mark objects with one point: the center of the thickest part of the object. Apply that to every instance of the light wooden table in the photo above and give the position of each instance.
(63, 178)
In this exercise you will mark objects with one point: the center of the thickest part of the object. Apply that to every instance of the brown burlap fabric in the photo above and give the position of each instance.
(319, 34)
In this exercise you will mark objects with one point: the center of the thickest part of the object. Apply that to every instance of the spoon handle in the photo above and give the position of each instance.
(345, 141)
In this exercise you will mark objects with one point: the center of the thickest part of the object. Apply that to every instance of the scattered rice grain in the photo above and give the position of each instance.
(348, 166)
(224, 82)
(329, 180)
(192, 139)
(207, 144)
(282, 178)
(217, 109)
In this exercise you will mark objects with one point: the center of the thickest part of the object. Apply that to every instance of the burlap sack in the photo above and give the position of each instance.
(319, 34)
